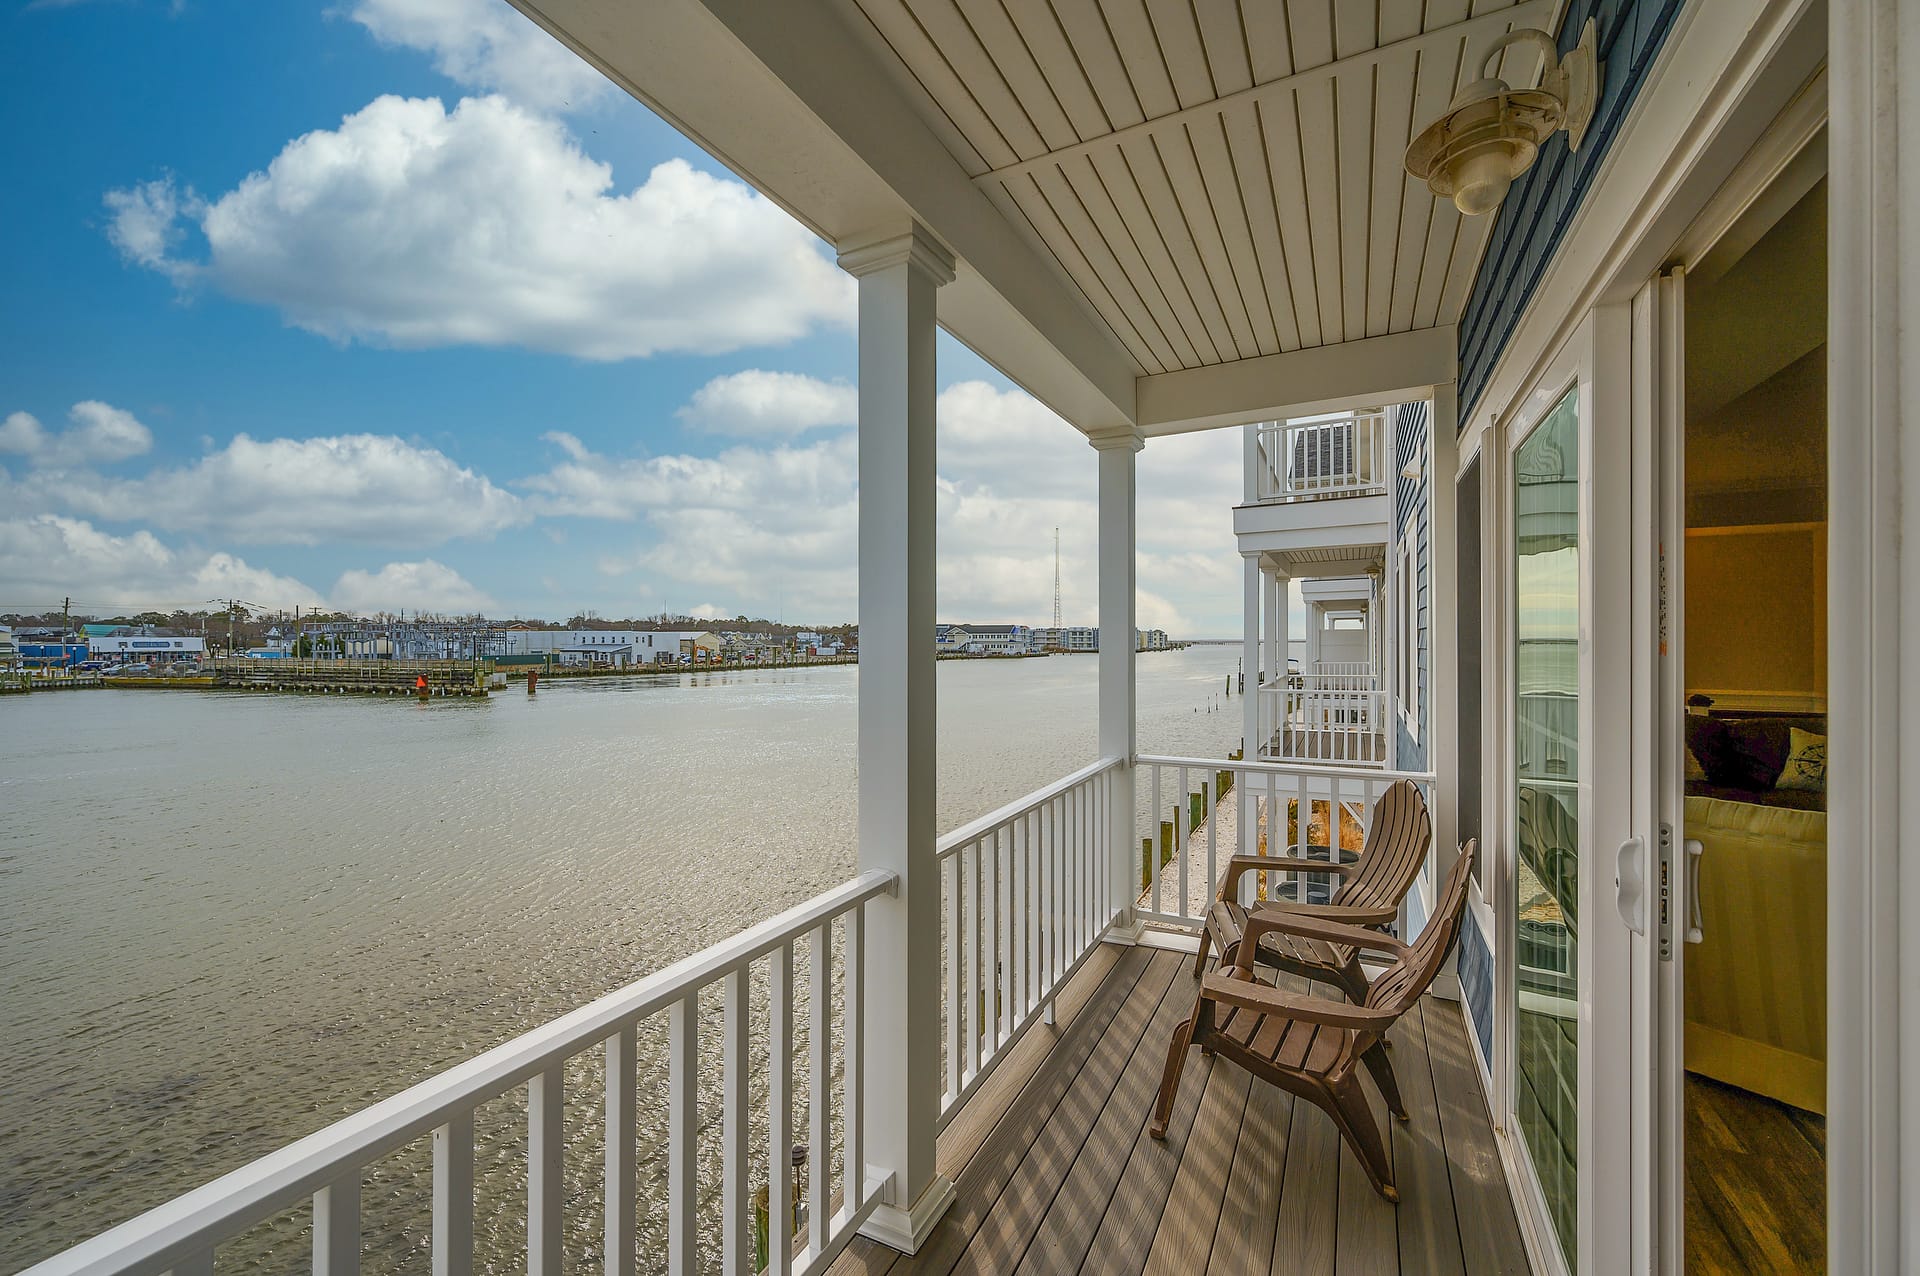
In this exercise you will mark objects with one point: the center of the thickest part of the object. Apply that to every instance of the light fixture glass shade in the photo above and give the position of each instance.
(1481, 181)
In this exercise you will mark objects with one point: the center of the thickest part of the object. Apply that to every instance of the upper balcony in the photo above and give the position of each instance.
(1319, 482)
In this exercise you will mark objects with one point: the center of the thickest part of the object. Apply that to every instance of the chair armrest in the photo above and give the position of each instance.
(1351, 914)
(1239, 865)
(1264, 923)
(1230, 989)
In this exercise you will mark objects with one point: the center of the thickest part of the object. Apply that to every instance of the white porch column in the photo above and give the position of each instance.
(1250, 467)
(1251, 740)
(1275, 589)
(899, 276)
(1316, 622)
(1117, 532)
(1443, 620)
(1280, 620)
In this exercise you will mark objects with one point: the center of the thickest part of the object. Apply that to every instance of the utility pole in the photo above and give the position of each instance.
(66, 623)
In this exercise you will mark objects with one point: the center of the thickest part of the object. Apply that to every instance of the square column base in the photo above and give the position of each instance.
(907, 1230)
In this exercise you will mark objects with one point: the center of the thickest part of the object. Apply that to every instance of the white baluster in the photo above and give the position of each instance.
(1182, 816)
(736, 1209)
(970, 881)
(336, 1227)
(819, 1085)
(1213, 840)
(618, 1258)
(546, 1097)
(683, 1120)
(453, 1197)
(854, 1035)
(1153, 835)
(780, 1110)
(956, 977)
(990, 925)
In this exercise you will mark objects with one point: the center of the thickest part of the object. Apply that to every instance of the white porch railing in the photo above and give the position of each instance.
(1339, 456)
(1343, 669)
(1027, 894)
(327, 1168)
(1273, 808)
(1337, 719)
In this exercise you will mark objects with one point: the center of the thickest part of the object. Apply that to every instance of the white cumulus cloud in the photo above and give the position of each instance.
(49, 557)
(97, 433)
(421, 586)
(761, 523)
(414, 226)
(350, 487)
(756, 403)
(486, 44)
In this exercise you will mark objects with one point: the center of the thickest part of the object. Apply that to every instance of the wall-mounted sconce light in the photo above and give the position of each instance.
(1491, 133)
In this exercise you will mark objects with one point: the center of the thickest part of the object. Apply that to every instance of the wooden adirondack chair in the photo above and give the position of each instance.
(1313, 1046)
(1370, 893)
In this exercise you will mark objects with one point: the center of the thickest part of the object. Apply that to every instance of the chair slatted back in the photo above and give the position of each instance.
(1403, 985)
(1397, 840)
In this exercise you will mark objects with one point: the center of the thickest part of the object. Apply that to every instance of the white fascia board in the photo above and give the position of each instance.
(791, 100)
(1338, 589)
(1346, 520)
(1371, 372)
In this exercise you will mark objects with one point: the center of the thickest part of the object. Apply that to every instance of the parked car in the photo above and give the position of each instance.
(137, 670)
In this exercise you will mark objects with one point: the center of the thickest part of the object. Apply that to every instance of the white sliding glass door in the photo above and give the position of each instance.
(1564, 787)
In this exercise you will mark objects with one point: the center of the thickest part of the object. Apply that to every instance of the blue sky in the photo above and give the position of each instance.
(394, 303)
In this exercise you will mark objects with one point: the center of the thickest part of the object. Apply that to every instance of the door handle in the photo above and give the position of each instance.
(1629, 885)
(1694, 851)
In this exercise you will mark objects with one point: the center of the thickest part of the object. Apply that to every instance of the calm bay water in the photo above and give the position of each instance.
(227, 920)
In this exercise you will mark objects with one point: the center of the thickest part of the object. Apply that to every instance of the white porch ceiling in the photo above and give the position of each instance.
(1169, 214)
(1219, 181)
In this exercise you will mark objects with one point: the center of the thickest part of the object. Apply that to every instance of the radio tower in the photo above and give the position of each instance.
(1056, 585)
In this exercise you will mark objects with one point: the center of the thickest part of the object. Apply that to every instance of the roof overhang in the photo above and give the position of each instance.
(1318, 288)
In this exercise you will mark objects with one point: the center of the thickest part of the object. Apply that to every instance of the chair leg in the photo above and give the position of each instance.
(1380, 1067)
(1170, 1079)
(1354, 1116)
(1200, 962)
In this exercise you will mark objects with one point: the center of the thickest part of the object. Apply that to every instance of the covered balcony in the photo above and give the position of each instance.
(1157, 219)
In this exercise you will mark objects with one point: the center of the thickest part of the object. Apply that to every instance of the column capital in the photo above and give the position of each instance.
(1108, 440)
(866, 253)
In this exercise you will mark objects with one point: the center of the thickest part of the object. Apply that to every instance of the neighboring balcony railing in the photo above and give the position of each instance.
(1339, 456)
(1027, 894)
(319, 1177)
(1194, 822)
(1343, 669)
(1329, 718)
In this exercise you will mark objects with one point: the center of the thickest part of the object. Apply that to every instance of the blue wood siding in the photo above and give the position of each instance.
(1530, 224)
(1410, 501)
(1474, 960)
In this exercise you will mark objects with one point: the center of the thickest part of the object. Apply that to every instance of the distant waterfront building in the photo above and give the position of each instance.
(1002, 640)
(615, 647)
(1073, 638)
(130, 645)
(9, 649)
(950, 639)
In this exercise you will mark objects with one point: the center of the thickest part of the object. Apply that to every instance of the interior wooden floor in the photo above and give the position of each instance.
(1054, 1170)
(1756, 1183)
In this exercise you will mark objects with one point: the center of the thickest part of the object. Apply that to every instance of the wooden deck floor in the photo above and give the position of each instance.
(1055, 1173)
